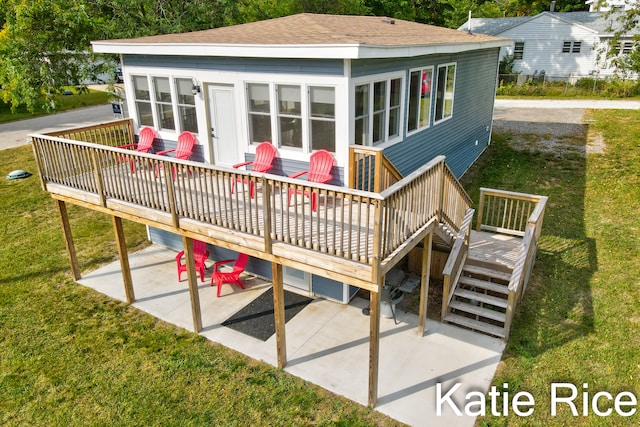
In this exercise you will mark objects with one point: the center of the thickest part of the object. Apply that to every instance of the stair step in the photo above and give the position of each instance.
(464, 293)
(478, 311)
(489, 272)
(483, 284)
(475, 324)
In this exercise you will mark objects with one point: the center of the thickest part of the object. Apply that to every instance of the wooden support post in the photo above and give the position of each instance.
(424, 282)
(121, 244)
(187, 242)
(374, 344)
(68, 239)
(278, 308)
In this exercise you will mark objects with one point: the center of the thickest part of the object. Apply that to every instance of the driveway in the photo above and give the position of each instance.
(14, 134)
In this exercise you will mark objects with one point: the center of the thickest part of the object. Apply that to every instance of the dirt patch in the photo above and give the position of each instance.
(550, 130)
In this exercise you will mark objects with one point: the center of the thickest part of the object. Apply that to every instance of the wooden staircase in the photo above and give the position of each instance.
(480, 299)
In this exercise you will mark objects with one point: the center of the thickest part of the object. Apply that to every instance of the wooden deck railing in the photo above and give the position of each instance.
(370, 170)
(113, 133)
(504, 211)
(369, 231)
(455, 261)
(526, 259)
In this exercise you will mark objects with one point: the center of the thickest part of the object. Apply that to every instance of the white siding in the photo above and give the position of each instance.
(543, 39)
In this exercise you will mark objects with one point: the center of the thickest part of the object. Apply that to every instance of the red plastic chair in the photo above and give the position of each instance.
(320, 165)
(263, 162)
(183, 151)
(144, 144)
(232, 277)
(200, 255)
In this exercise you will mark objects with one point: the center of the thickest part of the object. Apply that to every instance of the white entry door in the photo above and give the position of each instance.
(226, 151)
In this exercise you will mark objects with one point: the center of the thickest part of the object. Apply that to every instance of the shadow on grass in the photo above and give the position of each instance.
(557, 306)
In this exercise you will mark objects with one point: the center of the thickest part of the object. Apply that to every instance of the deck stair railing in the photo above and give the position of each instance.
(482, 294)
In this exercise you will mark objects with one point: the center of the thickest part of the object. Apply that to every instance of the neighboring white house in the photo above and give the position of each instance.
(562, 45)
(605, 6)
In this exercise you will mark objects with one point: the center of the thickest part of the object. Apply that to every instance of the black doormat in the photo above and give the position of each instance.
(257, 319)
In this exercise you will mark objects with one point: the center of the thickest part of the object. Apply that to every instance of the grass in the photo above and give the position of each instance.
(579, 320)
(71, 356)
(63, 103)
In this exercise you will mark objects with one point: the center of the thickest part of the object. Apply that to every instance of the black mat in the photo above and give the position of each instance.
(257, 319)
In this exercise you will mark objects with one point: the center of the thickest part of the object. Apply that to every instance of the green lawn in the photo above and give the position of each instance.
(579, 321)
(63, 103)
(71, 356)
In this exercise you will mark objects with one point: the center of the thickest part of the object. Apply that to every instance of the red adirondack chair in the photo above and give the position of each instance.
(320, 165)
(232, 277)
(263, 162)
(144, 144)
(200, 255)
(186, 141)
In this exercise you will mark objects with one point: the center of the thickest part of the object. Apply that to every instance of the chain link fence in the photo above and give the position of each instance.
(543, 84)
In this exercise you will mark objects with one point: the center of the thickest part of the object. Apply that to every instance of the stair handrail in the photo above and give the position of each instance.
(524, 261)
(453, 268)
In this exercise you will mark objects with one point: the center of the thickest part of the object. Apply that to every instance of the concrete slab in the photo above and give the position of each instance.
(327, 342)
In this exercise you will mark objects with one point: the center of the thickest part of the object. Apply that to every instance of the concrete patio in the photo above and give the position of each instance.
(327, 342)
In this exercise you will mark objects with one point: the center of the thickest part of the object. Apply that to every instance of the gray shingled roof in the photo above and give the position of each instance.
(311, 29)
(596, 21)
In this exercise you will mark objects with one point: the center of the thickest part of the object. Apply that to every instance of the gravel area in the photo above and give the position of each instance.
(557, 130)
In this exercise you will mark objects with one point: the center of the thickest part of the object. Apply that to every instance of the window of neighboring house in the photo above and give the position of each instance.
(304, 116)
(322, 118)
(419, 112)
(624, 48)
(378, 111)
(571, 47)
(445, 92)
(186, 105)
(259, 112)
(143, 100)
(164, 106)
(518, 50)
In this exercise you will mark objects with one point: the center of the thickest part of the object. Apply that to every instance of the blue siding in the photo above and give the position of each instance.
(329, 67)
(255, 266)
(472, 111)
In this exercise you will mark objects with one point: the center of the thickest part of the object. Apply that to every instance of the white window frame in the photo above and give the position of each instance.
(154, 101)
(435, 102)
(274, 113)
(431, 104)
(518, 50)
(371, 81)
(571, 46)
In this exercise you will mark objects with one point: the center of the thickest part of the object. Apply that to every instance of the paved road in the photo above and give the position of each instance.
(14, 134)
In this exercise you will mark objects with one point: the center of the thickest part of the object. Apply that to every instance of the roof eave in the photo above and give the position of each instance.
(341, 51)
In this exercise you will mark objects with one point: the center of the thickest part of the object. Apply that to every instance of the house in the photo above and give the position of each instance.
(307, 82)
(403, 108)
(605, 6)
(560, 45)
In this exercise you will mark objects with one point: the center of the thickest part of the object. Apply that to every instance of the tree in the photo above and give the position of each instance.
(625, 25)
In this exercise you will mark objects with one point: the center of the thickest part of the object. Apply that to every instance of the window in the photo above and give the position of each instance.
(571, 47)
(445, 91)
(624, 48)
(143, 100)
(419, 98)
(259, 113)
(304, 116)
(186, 105)
(378, 111)
(289, 116)
(518, 50)
(164, 107)
(322, 118)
